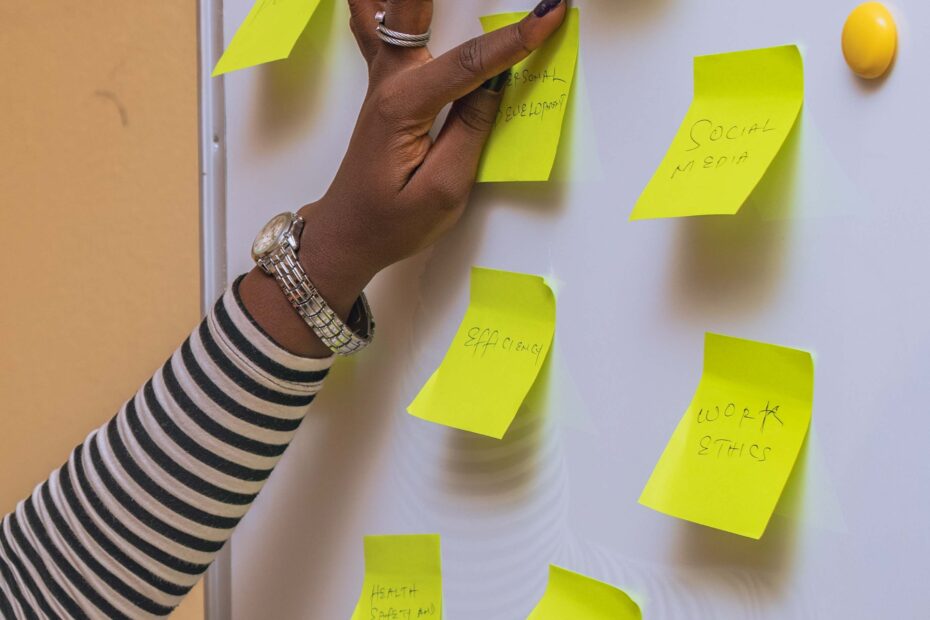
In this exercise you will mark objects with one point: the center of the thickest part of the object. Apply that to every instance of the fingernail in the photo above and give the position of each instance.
(545, 6)
(497, 83)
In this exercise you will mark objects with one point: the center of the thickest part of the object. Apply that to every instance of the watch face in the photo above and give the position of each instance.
(272, 235)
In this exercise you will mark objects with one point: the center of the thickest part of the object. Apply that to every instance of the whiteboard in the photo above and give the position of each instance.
(828, 255)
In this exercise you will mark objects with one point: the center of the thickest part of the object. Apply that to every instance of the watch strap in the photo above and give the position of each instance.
(282, 263)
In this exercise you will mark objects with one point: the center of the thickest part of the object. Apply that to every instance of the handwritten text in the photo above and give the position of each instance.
(484, 339)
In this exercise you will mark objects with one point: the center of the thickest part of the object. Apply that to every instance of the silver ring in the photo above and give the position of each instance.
(400, 39)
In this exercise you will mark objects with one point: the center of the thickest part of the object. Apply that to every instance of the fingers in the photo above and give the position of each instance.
(409, 16)
(459, 71)
(362, 23)
(450, 168)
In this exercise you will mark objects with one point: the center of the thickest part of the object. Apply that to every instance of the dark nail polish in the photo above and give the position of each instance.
(497, 83)
(545, 6)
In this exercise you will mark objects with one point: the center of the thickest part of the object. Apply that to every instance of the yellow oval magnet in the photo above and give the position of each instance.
(870, 39)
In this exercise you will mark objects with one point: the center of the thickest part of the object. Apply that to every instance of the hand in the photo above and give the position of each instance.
(397, 190)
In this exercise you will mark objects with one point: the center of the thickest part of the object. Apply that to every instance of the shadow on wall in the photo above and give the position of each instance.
(483, 468)
(735, 566)
(732, 263)
(289, 90)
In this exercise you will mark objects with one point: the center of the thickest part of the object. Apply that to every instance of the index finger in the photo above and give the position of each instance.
(462, 69)
(361, 12)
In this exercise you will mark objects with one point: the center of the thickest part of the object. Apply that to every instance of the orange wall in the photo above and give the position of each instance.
(99, 218)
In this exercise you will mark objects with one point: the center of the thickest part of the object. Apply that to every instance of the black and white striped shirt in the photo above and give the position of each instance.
(127, 526)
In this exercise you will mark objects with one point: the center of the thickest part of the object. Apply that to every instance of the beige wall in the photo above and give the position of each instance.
(99, 217)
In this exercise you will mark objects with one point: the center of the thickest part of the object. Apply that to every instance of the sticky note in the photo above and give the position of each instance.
(403, 578)
(744, 106)
(268, 33)
(495, 356)
(571, 595)
(525, 137)
(730, 456)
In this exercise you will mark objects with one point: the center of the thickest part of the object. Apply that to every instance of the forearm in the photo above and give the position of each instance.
(129, 523)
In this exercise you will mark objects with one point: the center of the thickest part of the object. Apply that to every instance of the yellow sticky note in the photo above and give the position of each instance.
(573, 596)
(525, 138)
(745, 104)
(403, 578)
(495, 356)
(730, 456)
(268, 33)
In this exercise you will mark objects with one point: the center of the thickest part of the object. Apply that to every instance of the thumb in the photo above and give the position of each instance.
(451, 165)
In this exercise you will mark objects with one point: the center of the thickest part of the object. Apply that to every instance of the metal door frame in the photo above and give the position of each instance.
(218, 599)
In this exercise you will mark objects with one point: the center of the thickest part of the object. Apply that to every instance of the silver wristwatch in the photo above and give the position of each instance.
(275, 251)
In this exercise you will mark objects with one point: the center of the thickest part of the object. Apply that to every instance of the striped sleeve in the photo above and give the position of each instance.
(129, 523)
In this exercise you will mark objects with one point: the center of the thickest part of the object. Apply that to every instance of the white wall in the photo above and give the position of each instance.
(828, 255)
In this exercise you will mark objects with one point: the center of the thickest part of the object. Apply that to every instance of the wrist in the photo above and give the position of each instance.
(337, 273)
(263, 299)
(331, 259)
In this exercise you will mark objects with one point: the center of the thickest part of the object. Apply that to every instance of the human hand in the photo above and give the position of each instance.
(398, 190)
